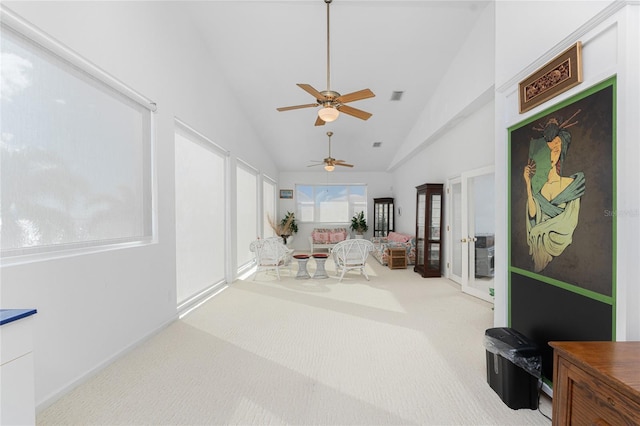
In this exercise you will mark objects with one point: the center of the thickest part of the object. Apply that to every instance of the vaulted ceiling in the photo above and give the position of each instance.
(265, 47)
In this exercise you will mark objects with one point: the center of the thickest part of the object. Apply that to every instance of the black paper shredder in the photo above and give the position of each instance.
(514, 365)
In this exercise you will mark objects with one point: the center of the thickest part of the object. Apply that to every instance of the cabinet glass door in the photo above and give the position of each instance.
(382, 216)
(429, 230)
(420, 227)
(433, 256)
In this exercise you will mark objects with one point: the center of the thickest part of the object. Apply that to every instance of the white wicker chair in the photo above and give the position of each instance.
(271, 254)
(351, 254)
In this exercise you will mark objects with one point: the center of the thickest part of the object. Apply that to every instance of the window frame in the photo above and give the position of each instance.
(199, 140)
(79, 69)
(353, 207)
(244, 166)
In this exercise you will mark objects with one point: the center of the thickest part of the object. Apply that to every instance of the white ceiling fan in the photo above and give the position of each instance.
(332, 102)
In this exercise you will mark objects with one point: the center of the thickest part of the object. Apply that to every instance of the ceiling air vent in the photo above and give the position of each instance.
(377, 144)
(396, 95)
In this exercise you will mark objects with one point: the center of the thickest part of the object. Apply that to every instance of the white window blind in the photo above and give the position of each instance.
(268, 206)
(76, 155)
(330, 203)
(246, 212)
(200, 170)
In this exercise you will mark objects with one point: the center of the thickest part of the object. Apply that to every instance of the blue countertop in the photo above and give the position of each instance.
(10, 315)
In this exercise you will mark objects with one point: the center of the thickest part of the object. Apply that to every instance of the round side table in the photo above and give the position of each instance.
(320, 258)
(302, 266)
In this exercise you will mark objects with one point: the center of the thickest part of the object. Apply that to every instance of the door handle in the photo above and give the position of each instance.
(464, 240)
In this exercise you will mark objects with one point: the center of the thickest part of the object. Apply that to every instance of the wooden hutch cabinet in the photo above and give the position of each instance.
(383, 216)
(429, 222)
(596, 383)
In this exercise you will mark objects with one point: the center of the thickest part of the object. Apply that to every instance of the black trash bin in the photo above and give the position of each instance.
(513, 367)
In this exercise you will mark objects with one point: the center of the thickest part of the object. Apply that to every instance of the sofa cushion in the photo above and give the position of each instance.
(396, 237)
(338, 235)
(320, 236)
(328, 235)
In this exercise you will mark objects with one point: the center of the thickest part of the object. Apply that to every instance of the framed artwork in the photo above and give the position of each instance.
(286, 193)
(559, 75)
(562, 194)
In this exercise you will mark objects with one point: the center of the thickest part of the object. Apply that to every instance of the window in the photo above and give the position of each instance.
(330, 203)
(246, 211)
(76, 153)
(200, 173)
(268, 206)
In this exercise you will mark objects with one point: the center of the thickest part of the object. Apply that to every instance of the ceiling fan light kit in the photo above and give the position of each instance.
(332, 102)
(329, 168)
(328, 114)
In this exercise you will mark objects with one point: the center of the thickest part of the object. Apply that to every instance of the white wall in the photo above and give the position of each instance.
(611, 42)
(93, 307)
(379, 184)
(467, 86)
(454, 133)
(527, 30)
(466, 147)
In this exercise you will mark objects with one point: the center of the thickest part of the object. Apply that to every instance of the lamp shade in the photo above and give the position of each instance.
(329, 167)
(328, 114)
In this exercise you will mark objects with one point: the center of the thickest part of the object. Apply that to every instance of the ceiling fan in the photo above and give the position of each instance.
(332, 102)
(330, 162)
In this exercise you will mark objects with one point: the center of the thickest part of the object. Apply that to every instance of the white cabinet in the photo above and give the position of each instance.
(17, 384)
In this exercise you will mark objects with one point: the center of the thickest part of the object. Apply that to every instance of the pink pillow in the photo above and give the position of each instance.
(320, 237)
(337, 236)
(398, 238)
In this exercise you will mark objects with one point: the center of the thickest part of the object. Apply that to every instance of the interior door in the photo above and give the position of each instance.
(472, 227)
(458, 262)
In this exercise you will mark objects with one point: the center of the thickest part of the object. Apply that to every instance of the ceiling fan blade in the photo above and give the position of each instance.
(343, 164)
(355, 96)
(312, 165)
(358, 113)
(319, 122)
(313, 92)
(296, 107)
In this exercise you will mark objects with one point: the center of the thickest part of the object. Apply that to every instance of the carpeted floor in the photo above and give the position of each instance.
(396, 350)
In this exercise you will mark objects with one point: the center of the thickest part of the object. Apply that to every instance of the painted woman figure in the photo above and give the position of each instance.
(553, 200)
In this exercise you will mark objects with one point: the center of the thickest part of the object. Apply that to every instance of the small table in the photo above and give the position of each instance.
(397, 258)
(320, 258)
(302, 266)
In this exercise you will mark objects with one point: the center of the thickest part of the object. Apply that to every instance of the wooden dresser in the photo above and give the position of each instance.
(596, 383)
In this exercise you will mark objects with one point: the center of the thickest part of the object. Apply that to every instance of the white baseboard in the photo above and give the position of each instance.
(547, 389)
(54, 396)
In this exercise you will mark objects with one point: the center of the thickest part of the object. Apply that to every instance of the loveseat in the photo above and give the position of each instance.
(381, 246)
(326, 238)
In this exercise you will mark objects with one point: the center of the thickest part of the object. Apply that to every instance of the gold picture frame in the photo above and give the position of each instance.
(561, 74)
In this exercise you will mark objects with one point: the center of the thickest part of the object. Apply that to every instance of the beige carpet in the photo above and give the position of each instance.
(396, 350)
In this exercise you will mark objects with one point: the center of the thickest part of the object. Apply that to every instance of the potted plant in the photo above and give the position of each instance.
(286, 227)
(359, 224)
